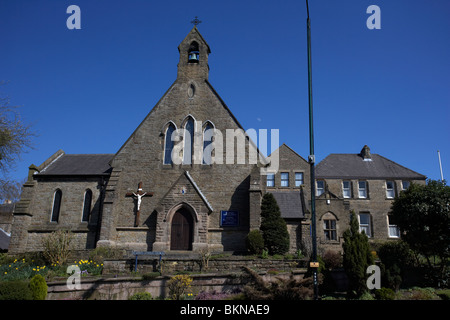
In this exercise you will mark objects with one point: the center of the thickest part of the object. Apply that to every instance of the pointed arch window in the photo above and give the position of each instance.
(87, 206)
(188, 147)
(208, 134)
(168, 144)
(57, 197)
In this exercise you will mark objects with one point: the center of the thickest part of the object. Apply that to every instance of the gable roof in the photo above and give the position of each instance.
(78, 164)
(341, 166)
(290, 204)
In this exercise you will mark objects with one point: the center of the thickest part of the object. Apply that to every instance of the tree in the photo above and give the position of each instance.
(422, 213)
(15, 138)
(357, 257)
(273, 226)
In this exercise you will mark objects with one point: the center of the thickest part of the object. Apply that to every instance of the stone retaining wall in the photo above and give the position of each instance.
(121, 288)
(195, 264)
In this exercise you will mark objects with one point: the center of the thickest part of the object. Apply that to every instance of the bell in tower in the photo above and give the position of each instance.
(194, 51)
(193, 54)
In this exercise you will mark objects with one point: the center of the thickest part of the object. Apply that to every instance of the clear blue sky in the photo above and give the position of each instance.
(85, 91)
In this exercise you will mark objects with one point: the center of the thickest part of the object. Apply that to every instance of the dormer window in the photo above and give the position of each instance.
(193, 54)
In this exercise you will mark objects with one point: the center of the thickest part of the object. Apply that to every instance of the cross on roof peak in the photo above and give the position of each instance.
(196, 21)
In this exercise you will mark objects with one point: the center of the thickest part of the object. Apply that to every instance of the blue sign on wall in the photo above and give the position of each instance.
(229, 218)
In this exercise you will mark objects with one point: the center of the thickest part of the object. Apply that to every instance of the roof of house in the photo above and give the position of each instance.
(290, 203)
(363, 165)
(78, 164)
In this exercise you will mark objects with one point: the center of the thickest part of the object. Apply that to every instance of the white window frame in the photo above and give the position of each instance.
(366, 227)
(362, 190)
(346, 190)
(390, 192)
(321, 190)
(394, 228)
(403, 184)
(299, 180)
(272, 180)
(284, 180)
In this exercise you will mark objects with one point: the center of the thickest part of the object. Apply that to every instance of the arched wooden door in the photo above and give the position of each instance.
(181, 231)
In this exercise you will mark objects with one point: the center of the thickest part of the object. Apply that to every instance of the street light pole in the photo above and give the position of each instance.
(311, 159)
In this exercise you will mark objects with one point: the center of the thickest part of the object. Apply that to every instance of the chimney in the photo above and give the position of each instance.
(365, 153)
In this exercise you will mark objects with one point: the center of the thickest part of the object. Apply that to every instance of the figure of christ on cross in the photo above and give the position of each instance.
(138, 196)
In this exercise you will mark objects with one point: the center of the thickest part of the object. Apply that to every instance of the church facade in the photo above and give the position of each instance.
(189, 179)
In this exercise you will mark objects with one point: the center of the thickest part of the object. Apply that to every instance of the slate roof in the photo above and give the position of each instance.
(342, 166)
(290, 203)
(78, 164)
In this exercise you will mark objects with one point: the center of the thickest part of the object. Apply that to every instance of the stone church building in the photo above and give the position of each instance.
(171, 187)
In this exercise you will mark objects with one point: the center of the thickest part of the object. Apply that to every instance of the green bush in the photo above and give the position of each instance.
(255, 242)
(15, 290)
(444, 294)
(384, 294)
(141, 296)
(38, 287)
(273, 226)
(357, 258)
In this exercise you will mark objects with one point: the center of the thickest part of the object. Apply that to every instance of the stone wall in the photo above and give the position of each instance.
(194, 264)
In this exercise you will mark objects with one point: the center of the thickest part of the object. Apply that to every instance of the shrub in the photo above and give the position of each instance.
(332, 259)
(280, 289)
(357, 257)
(15, 290)
(395, 257)
(141, 296)
(98, 255)
(38, 287)
(57, 246)
(179, 285)
(444, 294)
(273, 227)
(255, 242)
(384, 294)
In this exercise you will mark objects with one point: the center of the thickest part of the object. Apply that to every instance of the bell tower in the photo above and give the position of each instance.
(194, 53)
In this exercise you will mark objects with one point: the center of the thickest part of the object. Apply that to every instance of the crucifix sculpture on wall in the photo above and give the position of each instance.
(138, 197)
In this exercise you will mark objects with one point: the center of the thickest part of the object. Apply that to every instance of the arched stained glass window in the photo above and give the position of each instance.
(188, 147)
(57, 197)
(87, 206)
(208, 134)
(168, 144)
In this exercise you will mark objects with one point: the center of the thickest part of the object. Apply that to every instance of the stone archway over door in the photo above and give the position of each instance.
(182, 230)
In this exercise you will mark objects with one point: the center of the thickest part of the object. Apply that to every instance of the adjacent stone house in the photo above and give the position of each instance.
(365, 184)
(190, 179)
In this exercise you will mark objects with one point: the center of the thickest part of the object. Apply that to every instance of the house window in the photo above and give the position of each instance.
(364, 224)
(86, 206)
(298, 179)
(208, 134)
(405, 185)
(56, 206)
(329, 228)
(188, 141)
(346, 189)
(320, 187)
(285, 179)
(168, 144)
(394, 231)
(390, 193)
(271, 180)
(362, 189)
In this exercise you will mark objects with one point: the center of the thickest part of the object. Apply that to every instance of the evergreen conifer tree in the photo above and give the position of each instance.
(273, 226)
(357, 257)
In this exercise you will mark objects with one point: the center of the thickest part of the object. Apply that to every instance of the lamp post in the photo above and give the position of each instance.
(311, 159)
